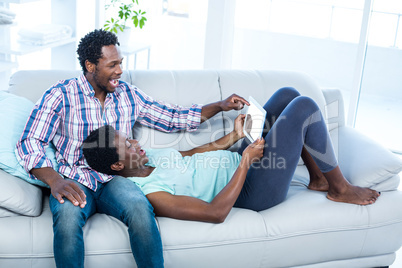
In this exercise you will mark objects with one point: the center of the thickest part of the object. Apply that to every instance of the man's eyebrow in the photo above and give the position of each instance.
(115, 61)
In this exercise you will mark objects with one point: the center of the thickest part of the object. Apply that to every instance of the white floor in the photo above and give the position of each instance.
(398, 260)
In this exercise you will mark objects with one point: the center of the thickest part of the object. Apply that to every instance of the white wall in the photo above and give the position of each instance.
(177, 43)
(330, 62)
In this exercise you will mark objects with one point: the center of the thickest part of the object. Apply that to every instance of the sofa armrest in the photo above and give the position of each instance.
(334, 108)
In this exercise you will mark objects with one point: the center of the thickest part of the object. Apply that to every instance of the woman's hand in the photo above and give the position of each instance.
(238, 126)
(254, 151)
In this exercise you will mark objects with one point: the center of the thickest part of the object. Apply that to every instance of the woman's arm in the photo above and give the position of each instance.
(190, 208)
(223, 143)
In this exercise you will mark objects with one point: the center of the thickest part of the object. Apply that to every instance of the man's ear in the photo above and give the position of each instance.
(117, 166)
(90, 66)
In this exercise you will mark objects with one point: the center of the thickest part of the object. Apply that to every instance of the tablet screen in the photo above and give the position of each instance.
(254, 121)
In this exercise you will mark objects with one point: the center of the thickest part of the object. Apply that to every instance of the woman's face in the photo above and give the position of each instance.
(130, 152)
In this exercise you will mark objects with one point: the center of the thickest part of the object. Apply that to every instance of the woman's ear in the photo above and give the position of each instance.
(118, 166)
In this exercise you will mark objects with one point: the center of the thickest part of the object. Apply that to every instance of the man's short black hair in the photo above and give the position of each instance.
(90, 46)
(100, 151)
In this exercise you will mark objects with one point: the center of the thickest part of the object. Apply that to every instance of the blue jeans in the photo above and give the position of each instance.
(119, 198)
(292, 121)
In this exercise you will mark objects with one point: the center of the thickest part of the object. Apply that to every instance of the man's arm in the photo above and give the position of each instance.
(169, 118)
(223, 143)
(233, 102)
(190, 208)
(39, 130)
(163, 116)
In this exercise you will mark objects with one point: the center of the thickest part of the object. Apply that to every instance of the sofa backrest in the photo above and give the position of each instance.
(184, 88)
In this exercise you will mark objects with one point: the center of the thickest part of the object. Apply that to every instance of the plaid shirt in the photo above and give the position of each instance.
(69, 111)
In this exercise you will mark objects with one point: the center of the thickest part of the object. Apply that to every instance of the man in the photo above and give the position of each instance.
(65, 116)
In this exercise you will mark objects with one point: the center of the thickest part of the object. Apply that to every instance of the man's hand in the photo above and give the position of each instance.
(233, 102)
(70, 190)
(60, 187)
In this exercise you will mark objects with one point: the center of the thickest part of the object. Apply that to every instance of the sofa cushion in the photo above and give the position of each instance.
(182, 88)
(19, 197)
(14, 112)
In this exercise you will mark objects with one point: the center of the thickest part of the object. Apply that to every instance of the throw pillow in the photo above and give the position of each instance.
(18, 197)
(363, 161)
(14, 112)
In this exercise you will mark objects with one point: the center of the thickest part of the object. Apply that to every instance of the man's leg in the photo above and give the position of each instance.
(68, 220)
(122, 199)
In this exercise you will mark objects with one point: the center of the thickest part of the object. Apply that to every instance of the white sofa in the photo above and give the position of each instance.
(306, 230)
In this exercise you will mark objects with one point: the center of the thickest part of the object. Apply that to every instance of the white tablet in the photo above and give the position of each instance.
(254, 121)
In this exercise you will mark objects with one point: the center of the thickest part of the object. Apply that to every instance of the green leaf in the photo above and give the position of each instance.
(135, 19)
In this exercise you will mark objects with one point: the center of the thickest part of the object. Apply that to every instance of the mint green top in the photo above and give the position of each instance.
(201, 175)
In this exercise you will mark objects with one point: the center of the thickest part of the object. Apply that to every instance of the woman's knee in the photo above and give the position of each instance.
(288, 92)
(305, 104)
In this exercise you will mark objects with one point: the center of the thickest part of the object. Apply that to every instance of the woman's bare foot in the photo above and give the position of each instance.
(318, 183)
(353, 195)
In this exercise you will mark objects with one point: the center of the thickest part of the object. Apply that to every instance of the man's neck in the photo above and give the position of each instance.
(99, 93)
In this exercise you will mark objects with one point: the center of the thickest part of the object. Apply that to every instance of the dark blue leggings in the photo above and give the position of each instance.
(292, 121)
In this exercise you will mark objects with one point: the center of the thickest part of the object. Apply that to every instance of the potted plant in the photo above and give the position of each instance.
(127, 15)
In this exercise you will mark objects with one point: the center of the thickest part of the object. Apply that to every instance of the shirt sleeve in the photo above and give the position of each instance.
(163, 116)
(39, 130)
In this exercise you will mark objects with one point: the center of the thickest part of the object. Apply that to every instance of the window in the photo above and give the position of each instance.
(345, 25)
(296, 17)
(320, 37)
(178, 8)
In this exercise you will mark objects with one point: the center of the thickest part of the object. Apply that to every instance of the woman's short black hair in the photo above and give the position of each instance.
(90, 46)
(100, 151)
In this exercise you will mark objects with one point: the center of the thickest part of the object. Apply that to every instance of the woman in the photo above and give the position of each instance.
(204, 183)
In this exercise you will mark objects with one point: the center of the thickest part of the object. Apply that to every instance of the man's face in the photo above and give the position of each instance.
(130, 152)
(108, 70)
